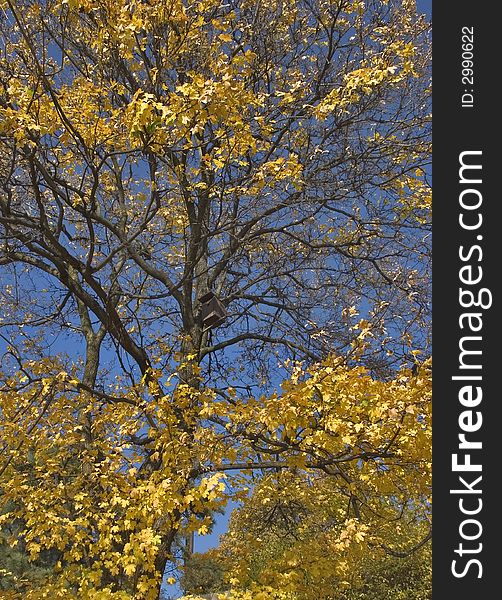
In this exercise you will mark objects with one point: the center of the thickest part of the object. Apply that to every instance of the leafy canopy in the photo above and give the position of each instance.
(274, 153)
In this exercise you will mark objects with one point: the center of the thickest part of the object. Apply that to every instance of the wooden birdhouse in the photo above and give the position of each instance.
(213, 311)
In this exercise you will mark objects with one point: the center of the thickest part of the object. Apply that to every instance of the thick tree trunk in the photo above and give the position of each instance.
(188, 375)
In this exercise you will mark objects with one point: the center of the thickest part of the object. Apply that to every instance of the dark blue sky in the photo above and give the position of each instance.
(425, 6)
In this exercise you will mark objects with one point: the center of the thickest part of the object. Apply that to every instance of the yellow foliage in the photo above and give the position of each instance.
(131, 120)
(347, 439)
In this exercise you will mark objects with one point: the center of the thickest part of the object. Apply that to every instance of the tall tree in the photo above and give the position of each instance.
(272, 153)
